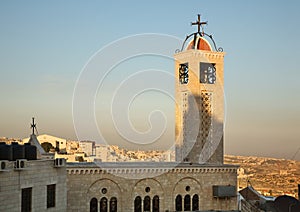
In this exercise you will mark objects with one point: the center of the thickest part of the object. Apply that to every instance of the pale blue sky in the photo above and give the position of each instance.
(45, 44)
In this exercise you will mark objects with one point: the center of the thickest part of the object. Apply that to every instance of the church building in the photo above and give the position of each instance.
(198, 180)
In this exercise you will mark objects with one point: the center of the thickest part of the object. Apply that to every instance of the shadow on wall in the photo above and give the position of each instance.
(202, 132)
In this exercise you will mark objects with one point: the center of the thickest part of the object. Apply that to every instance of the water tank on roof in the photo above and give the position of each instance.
(18, 151)
(5, 151)
(30, 152)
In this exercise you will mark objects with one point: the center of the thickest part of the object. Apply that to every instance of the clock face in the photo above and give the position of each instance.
(183, 73)
(208, 73)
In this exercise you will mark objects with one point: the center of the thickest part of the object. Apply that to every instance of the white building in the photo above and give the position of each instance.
(87, 147)
(101, 152)
(56, 142)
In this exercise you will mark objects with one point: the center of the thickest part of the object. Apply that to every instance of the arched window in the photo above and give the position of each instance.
(187, 203)
(138, 204)
(147, 203)
(94, 205)
(195, 202)
(103, 204)
(113, 205)
(178, 203)
(155, 204)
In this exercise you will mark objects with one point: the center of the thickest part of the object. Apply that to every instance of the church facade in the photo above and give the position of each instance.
(187, 187)
(198, 180)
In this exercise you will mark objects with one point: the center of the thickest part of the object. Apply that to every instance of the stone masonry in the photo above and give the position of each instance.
(86, 181)
(36, 174)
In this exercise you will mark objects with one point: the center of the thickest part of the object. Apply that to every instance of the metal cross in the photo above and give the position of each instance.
(33, 126)
(199, 23)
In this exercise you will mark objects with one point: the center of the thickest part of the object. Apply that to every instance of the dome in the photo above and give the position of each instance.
(197, 40)
(201, 44)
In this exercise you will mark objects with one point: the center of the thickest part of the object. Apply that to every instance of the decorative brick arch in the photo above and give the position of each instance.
(186, 186)
(104, 188)
(155, 189)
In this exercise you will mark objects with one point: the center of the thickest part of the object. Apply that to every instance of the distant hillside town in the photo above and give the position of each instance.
(269, 176)
(90, 151)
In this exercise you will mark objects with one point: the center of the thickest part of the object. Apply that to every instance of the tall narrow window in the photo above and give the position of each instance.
(206, 115)
(26, 200)
(155, 204)
(195, 202)
(103, 204)
(187, 203)
(184, 73)
(178, 203)
(94, 205)
(147, 203)
(138, 204)
(113, 204)
(50, 196)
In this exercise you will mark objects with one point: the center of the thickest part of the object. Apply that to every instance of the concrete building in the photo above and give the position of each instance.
(101, 152)
(74, 157)
(34, 185)
(87, 147)
(28, 181)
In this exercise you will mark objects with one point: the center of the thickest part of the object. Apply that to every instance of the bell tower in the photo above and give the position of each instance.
(199, 94)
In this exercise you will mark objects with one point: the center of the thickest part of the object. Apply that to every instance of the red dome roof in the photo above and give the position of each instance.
(201, 44)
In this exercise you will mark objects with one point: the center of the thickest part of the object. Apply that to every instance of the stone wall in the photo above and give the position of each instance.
(37, 174)
(87, 181)
(199, 111)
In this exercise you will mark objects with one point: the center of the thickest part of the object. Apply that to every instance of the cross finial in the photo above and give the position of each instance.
(33, 126)
(199, 23)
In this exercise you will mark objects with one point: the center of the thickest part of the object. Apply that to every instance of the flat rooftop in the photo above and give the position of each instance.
(146, 165)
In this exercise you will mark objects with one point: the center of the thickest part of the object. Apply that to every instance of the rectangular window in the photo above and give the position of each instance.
(50, 196)
(26, 200)
(208, 73)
